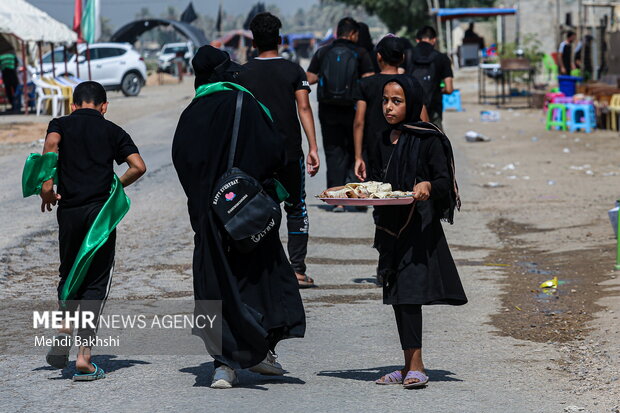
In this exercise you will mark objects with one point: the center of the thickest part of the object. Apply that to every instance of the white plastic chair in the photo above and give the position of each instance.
(54, 94)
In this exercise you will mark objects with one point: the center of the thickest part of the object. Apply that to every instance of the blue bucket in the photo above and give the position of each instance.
(568, 84)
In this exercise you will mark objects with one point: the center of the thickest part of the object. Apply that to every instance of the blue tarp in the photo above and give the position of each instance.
(447, 14)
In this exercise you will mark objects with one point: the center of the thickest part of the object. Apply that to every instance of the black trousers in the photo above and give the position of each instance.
(337, 131)
(409, 323)
(10, 81)
(73, 224)
(293, 177)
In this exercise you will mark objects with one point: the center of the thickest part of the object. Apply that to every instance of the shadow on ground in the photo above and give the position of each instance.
(108, 363)
(247, 379)
(374, 373)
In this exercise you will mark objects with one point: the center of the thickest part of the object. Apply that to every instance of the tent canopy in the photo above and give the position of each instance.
(131, 31)
(458, 13)
(21, 19)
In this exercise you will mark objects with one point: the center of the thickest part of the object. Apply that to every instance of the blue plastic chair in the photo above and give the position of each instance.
(581, 117)
(453, 101)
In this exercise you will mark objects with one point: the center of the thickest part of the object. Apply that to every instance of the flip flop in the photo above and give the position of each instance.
(306, 282)
(422, 380)
(58, 356)
(395, 377)
(95, 375)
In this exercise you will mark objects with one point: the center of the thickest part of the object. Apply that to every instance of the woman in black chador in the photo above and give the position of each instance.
(415, 263)
(260, 297)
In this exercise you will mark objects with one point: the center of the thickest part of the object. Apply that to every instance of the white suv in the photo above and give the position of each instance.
(117, 66)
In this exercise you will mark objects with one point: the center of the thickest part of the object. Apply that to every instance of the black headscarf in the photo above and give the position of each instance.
(214, 65)
(402, 172)
(413, 98)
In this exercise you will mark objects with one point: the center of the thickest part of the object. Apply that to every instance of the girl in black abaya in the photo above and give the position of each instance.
(415, 263)
(260, 297)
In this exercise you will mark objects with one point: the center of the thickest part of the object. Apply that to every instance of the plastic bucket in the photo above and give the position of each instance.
(568, 84)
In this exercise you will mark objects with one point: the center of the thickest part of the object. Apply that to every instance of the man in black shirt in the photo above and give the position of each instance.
(442, 68)
(87, 145)
(337, 118)
(281, 85)
(566, 54)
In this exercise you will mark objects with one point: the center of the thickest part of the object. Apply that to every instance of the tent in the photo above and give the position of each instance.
(131, 31)
(29, 24)
(448, 14)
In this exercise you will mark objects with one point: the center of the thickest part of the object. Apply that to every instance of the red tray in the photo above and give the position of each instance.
(406, 200)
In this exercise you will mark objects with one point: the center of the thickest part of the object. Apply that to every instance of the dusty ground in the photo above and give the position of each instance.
(27, 132)
(548, 193)
(510, 349)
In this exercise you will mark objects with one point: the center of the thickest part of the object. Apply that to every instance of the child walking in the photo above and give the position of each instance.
(415, 263)
(78, 157)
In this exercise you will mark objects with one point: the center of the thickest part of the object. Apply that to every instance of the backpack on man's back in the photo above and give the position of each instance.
(423, 68)
(338, 75)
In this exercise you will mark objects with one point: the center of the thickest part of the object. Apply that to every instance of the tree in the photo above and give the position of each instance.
(409, 14)
(106, 30)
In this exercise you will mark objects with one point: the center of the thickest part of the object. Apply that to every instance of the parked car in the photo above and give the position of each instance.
(117, 66)
(168, 53)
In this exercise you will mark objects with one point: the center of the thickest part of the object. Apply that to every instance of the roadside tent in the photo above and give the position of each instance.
(30, 24)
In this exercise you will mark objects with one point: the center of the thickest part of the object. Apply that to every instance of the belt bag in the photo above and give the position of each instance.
(247, 213)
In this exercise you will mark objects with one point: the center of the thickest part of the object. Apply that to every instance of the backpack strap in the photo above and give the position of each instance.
(235, 132)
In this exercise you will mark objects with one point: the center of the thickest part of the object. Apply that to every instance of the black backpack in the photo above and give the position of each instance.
(247, 213)
(423, 69)
(338, 75)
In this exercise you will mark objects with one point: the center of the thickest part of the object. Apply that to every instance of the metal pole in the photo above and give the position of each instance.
(53, 61)
(64, 56)
(438, 25)
(25, 96)
(40, 60)
(77, 62)
(88, 59)
(618, 239)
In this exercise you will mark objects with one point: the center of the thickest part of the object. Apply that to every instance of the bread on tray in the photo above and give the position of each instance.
(368, 190)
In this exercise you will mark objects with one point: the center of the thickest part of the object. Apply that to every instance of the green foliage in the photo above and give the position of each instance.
(531, 47)
(407, 16)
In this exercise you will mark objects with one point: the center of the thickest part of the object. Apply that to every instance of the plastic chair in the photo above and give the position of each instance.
(581, 116)
(549, 98)
(550, 67)
(614, 109)
(556, 116)
(47, 92)
(453, 101)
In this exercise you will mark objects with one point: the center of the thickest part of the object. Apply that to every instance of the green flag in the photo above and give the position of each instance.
(90, 21)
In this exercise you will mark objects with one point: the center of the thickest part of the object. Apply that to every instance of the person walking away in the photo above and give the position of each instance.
(370, 124)
(79, 152)
(364, 40)
(566, 53)
(282, 86)
(338, 68)
(583, 57)
(8, 66)
(432, 69)
(414, 258)
(259, 293)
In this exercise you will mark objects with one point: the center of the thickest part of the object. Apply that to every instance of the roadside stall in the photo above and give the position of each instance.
(26, 30)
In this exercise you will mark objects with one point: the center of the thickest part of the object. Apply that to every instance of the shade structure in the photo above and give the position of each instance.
(131, 31)
(30, 24)
(459, 13)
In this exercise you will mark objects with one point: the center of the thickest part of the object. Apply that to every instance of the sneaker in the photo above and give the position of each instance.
(338, 208)
(269, 366)
(224, 378)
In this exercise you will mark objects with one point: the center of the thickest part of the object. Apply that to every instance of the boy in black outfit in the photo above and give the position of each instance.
(338, 69)
(282, 86)
(87, 145)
